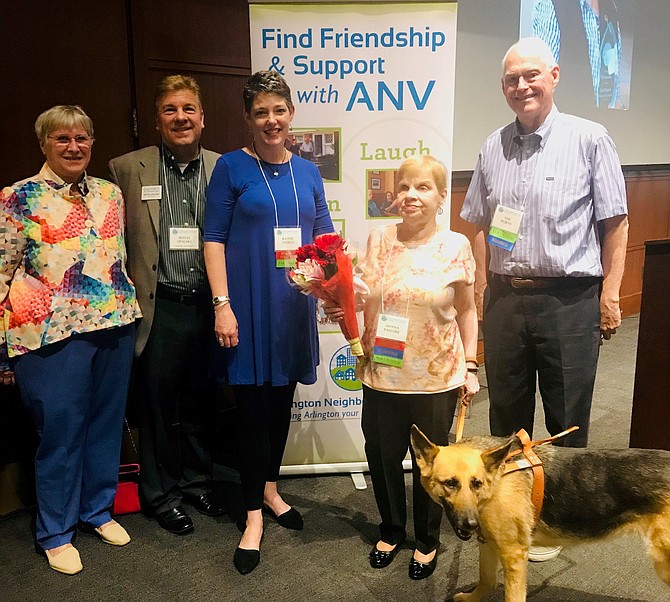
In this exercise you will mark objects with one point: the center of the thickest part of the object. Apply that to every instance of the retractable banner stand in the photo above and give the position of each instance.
(372, 84)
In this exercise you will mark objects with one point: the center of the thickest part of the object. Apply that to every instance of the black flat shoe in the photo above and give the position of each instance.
(291, 519)
(175, 521)
(246, 561)
(421, 570)
(379, 559)
(206, 503)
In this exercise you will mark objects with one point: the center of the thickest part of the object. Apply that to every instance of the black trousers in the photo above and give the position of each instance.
(386, 420)
(175, 404)
(263, 417)
(549, 336)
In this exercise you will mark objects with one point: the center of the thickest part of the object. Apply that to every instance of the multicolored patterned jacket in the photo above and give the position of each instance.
(62, 262)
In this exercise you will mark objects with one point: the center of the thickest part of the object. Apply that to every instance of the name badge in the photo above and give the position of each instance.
(150, 193)
(287, 241)
(389, 347)
(184, 238)
(504, 229)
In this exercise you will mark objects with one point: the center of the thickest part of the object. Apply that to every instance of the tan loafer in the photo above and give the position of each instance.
(113, 534)
(68, 561)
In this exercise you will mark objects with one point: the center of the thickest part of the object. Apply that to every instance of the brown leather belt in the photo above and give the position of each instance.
(523, 282)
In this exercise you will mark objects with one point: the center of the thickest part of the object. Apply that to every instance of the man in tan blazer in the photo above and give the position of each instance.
(164, 188)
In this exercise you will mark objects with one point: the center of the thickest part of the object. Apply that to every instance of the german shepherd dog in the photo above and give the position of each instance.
(588, 494)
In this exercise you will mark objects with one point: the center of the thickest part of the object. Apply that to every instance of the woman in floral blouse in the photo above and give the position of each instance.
(67, 309)
(420, 344)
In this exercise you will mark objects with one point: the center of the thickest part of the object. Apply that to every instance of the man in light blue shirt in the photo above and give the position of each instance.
(560, 178)
(548, 194)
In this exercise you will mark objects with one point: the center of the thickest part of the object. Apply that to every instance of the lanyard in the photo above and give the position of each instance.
(167, 190)
(274, 201)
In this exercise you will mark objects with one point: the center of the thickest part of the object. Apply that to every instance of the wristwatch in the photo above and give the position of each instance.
(220, 300)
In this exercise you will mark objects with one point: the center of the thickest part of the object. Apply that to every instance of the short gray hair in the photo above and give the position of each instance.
(534, 47)
(62, 116)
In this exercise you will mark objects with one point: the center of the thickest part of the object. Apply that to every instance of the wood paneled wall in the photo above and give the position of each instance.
(206, 39)
(108, 57)
(649, 216)
(74, 53)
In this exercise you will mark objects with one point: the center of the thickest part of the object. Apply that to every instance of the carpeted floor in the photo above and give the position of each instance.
(328, 560)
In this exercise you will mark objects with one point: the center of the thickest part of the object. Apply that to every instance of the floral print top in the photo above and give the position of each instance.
(62, 262)
(418, 282)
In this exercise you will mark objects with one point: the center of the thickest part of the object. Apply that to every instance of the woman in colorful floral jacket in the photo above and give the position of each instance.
(67, 309)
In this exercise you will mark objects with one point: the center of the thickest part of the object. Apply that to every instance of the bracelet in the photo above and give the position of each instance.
(220, 300)
(473, 370)
(472, 361)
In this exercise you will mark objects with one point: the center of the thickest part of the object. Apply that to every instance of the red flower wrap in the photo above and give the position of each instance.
(338, 285)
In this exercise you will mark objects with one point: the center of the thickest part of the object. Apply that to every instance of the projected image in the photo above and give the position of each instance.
(592, 41)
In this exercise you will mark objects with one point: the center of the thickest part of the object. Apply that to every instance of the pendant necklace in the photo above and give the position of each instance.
(272, 167)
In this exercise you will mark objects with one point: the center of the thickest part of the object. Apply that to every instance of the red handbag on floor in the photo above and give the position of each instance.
(127, 499)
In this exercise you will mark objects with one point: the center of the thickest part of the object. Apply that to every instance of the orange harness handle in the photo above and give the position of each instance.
(532, 461)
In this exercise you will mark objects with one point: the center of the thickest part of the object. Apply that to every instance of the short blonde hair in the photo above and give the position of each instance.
(417, 163)
(176, 83)
(62, 116)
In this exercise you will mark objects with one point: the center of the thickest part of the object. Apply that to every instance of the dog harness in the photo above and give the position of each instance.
(532, 461)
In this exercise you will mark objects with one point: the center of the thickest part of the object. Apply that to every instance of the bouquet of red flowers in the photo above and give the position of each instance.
(325, 270)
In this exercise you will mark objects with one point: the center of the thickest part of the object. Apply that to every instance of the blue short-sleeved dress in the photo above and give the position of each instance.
(278, 337)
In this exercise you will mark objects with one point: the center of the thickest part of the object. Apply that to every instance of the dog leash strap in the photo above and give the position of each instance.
(460, 421)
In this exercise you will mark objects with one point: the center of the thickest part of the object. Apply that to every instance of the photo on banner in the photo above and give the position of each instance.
(372, 85)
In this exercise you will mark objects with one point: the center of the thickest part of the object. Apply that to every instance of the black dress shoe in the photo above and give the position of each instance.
(175, 521)
(421, 570)
(379, 559)
(206, 503)
(291, 519)
(246, 561)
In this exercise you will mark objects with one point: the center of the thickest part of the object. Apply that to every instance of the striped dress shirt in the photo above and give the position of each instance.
(565, 177)
(182, 205)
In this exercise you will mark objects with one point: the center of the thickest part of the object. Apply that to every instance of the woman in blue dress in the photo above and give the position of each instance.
(262, 202)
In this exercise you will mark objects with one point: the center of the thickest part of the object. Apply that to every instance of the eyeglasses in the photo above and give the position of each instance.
(80, 141)
(530, 77)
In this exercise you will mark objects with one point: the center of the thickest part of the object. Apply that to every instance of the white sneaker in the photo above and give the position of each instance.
(542, 553)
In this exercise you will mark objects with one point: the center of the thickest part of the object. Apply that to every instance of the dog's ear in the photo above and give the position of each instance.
(424, 449)
(494, 456)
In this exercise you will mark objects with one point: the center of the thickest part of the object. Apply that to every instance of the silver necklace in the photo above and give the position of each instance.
(272, 167)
